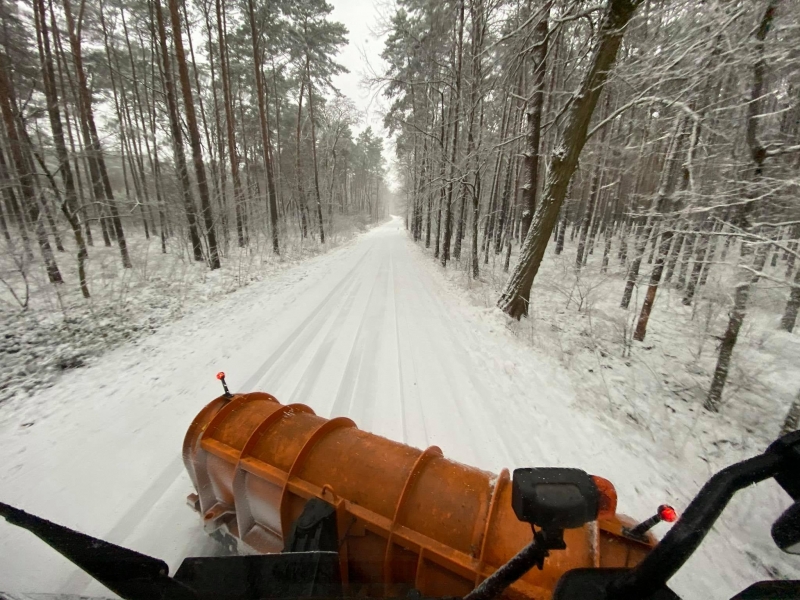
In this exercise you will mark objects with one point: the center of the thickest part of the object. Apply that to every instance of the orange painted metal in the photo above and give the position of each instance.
(406, 517)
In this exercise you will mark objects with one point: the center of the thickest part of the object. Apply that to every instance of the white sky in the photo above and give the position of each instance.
(361, 56)
(361, 18)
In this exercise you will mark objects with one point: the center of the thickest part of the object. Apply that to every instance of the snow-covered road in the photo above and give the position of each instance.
(370, 331)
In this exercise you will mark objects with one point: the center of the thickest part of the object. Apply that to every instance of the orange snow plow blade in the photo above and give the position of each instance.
(406, 518)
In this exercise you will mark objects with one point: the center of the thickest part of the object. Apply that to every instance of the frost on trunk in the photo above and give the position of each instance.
(669, 176)
(792, 421)
(748, 278)
(533, 121)
(515, 297)
(448, 198)
(790, 314)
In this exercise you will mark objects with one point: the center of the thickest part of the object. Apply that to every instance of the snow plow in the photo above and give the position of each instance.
(310, 507)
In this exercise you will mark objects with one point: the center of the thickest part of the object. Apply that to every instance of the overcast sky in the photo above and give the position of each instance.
(362, 18)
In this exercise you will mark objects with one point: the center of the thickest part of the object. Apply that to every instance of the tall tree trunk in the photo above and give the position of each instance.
(655, 275)
(230, 123)
(272, 186)
(562, 228)
(219, 166)
(748, 278)
(455, 115)
(113, 65)
(429, 213)
(478, 31)
(99, 173)
(533, 123)
(13, 205)
(155, 167)
(669, 177)
(4, 226)
(175, 130)
(515, 297)
(301, 195)
(588, 214)
(211, 147)
(26, 183)
(138, 117)
(194, 135)
(442, 174)
(792, 305)
(70, 205)
(314, 148)
(265, 139)
(506, 201)
(81, 198)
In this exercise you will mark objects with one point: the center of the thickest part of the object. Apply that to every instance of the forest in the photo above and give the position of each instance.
(652, 146)
(204, 125)
(146, 144)
(655, 143)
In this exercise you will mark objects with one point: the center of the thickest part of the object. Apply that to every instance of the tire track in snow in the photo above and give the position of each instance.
(256, 377)
(287, 358)
(344, 404)
(312, 372)
(571, 448)
(456, 363)
(400, 392)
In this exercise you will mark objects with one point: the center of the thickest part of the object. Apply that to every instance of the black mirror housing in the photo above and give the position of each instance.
(554, 498)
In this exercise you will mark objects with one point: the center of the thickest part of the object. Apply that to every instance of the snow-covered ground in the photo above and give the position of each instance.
(372, 331)
(59, 330)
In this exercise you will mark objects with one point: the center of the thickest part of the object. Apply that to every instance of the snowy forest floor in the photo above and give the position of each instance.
(377, 331)
(60, 330)
(658, 386)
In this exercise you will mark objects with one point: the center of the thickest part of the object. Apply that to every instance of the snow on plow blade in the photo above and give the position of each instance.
(405, 518)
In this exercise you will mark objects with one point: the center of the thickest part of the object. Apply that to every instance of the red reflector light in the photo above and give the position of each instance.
(221, 375)
(667, 513)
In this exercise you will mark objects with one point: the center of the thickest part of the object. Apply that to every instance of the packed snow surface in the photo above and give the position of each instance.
(370, 331)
